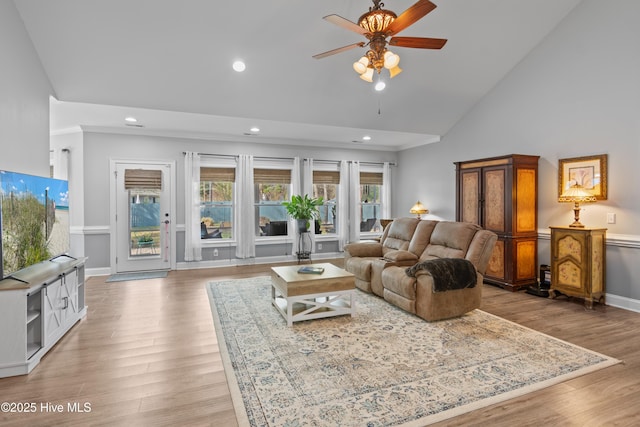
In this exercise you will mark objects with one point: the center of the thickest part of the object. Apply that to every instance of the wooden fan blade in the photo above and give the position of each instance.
(338, 50)
(418, 42)
(345, 23)
(411, 15)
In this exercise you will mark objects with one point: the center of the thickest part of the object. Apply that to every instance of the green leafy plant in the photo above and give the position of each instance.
(145, 238)
(303, 209)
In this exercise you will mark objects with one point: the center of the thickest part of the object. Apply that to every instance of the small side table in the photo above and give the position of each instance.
(578, 263)
(304, 246)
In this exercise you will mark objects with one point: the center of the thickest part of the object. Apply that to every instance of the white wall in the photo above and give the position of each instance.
(576, 94)
(24, 99)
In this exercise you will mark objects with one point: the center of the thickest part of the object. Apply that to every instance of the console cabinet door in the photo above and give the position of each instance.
(53, 310)
(70, 297)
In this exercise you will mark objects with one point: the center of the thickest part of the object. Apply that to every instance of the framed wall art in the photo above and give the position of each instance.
(590, 172)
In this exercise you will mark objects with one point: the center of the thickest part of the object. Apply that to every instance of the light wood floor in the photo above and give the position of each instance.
(147, 355)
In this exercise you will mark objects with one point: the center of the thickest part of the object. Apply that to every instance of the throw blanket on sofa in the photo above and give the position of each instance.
(447, 273)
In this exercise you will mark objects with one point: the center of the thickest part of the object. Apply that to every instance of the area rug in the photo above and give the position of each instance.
(381, 367)
(140, 275)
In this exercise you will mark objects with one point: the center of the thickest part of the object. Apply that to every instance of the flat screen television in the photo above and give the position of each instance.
(34, 218)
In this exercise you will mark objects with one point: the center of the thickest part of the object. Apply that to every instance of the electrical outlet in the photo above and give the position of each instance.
(611, 218)
(319, 246)
(215, 252)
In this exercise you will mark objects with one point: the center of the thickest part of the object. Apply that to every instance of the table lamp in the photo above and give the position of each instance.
(576, 194)
(418, 209)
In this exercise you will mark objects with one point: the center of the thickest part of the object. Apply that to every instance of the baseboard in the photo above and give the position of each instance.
(623, 302)
(102, 271)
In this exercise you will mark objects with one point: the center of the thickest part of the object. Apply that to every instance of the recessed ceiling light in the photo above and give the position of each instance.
(239, 66)
(255, 129)
(380, 86)
(366, 138)
(130, 119)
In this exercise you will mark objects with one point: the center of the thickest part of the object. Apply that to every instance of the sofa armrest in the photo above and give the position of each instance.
(368, 249)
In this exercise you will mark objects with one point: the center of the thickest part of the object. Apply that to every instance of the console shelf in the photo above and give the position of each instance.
(38, 306)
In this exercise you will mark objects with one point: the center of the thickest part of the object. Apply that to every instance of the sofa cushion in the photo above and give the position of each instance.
(399, 235)
(421, 237)
(450, 240)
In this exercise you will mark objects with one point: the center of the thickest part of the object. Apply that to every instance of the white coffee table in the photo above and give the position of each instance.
(312, 296)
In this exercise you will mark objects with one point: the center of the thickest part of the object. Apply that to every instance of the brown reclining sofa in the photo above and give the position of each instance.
(433, 269)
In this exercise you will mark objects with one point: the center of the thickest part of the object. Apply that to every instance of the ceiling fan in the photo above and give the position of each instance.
(377, 26)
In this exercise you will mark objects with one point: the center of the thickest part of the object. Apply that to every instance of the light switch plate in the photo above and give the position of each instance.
(611, 218)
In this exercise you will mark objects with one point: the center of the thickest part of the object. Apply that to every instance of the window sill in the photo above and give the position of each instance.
(269, 240)
(212, 243)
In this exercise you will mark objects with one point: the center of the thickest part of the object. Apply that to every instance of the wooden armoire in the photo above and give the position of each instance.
(501, 194)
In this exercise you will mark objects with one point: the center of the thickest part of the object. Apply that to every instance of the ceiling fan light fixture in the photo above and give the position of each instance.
(394, 71)
(367, 76)
(391, 60)
(360, 66)
(380, 26)
(377, 20)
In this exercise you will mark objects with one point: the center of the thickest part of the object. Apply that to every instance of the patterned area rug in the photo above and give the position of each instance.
(382, 367)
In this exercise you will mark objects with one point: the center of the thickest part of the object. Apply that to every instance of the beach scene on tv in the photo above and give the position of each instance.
(35, 219)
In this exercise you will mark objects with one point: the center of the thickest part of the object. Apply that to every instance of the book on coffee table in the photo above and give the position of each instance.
(310, 270)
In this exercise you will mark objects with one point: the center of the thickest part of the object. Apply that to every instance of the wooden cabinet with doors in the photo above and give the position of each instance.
(578, 263)
(501, 194)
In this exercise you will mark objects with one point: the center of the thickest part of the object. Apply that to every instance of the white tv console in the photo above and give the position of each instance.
(38, 305)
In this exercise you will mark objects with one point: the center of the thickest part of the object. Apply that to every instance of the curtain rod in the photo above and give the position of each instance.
(234, 156)
(351, 161)
(375, 163)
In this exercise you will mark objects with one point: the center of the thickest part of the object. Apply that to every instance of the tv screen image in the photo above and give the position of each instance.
(35, 220)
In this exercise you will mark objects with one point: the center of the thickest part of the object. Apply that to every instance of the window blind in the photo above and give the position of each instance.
(272, 176)
(143, 178)
(370, 178)
(326, 177)
(218, 174)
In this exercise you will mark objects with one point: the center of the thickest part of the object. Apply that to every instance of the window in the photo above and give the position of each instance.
(272, 187)
(370, 201)
(217, 187)
(326, 185)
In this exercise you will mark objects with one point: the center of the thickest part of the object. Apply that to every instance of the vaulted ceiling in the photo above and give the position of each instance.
(168, 63)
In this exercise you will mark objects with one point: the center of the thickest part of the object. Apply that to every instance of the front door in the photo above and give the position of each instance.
(143, 216)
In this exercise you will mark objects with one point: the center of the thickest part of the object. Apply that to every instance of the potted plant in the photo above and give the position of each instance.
(303, 209)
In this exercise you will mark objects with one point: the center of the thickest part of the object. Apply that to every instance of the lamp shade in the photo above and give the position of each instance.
(418, 209)
(576, 194)
(395, 71)
(367, 76)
